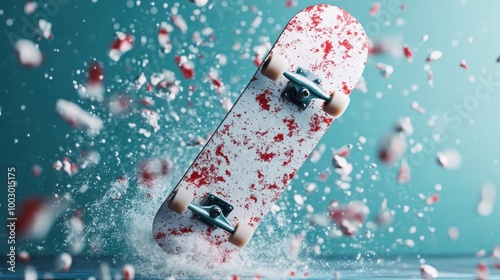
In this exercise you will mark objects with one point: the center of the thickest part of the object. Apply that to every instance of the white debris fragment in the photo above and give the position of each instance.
(38, 215)
(199, 3)
(417, 107)
(361, 85)
(105, 271)
(404, 173)
(449, 159)
(164, 37)
(428, 272)
(405, 126)
(63, 262)
(487, 200)
(122, 44)
(385, 69)
(78, 118)
(391, 148)
(30, 273)
(140, 80)
(128, 272)
(227, 104)
(30, 7)
(453, 233)
(298, 199)
(151, 118)
(179, 22)
(342, 167)
(482, 271)
(434, 55)
(28, 53)
(45, 28)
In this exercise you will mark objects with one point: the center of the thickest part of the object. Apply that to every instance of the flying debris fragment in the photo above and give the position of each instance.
(164, 37)
(434, 55)
(391, 148)
(128, 272)
(63, 262)
(45, 29)
(408, 52)
(122, 44)
(350, 217)
(186, 66)
(28, 53)
(428, 272)
(449, 159)
(385, 69)
(37, 215)
(95, 88)
(30, 7)
(78, 118)
(487, 200)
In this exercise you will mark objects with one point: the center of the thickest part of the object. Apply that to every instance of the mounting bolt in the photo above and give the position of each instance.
(304, 93)
(215, 212)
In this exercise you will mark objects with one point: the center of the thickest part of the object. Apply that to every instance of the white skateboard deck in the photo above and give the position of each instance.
(264, 139)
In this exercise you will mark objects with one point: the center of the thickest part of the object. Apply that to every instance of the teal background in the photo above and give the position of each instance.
(83, 31)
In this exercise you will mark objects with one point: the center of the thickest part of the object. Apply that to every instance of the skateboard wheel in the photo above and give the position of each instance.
(242, 234)
(274, 67)
(181, 200)
(337, 105)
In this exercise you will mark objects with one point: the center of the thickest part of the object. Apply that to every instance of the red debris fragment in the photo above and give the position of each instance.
(122, 44)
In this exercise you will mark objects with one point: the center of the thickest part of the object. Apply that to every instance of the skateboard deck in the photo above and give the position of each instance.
(264, 139)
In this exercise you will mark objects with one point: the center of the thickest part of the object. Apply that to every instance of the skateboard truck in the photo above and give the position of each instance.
(213, 211)
(303, 88)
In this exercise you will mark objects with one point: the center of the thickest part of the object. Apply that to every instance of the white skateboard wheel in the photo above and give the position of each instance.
(181, 200)
(337, 105)
(242, 234)
(274, 67)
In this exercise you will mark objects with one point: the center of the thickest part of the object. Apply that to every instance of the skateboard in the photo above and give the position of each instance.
(301, 87)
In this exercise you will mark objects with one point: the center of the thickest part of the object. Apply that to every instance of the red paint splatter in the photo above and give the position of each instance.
(264, 99)
(278, 138)
(267, 156)
(346, 45)
(287, 178)
(327, 47)
(316, 20)
(218, 152)
(291, 124)
(195, 176)
(289, 155)
(160, 235)
(318, 122)
(186, 229)
(345, 88)
(272, 187)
